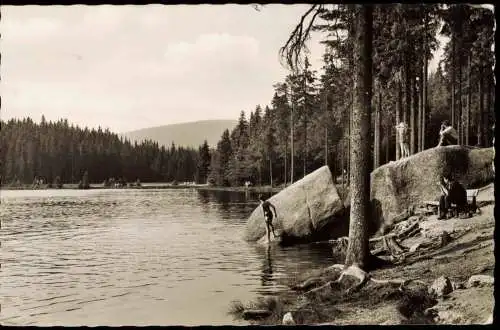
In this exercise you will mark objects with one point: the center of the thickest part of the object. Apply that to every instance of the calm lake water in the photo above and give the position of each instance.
(135, 257)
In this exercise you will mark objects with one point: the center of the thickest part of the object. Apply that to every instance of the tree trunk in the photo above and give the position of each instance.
(388, 142)
(479, 122)
(490, 94)
(459, 105)
(424, 97)
(358, 250)
(326, 145)
(376, 144)
(348, 158)
(412, 113)
(270, 171)
(399, 108)
(291, 139)
(407, 91)
(420, 104)
(305, 150)
(342, 161)
(469, 96)
(334, 163)
(285, 174)
(305, 125)
(325, 105)
(260, 175)
(416, 105)
(453, 80)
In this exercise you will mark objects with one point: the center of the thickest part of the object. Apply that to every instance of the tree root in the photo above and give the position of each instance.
(389, 242)
(318, 289)
(336, 267)
(307, 284)
(356, 272)
(363, 277)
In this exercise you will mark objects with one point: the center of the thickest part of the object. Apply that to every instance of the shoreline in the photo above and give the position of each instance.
(74, 186)
(262, 189)
(316, 297)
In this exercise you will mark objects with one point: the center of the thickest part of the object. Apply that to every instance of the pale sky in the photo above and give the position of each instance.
(130, 67)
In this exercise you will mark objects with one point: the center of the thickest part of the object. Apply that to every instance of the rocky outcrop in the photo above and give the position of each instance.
(400, 185)
(308, 210)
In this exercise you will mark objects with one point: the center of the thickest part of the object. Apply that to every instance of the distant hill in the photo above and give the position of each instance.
(190, 134)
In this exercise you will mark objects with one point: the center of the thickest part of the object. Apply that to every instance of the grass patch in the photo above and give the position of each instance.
(236, 309)
(277, 306)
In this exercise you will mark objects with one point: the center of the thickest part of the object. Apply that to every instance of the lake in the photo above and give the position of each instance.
(135, 257)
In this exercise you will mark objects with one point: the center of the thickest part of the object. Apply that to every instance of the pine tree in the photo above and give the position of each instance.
(204, 159)
(358, 250)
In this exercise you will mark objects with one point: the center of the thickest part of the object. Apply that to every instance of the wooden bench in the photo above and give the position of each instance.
(471, 201)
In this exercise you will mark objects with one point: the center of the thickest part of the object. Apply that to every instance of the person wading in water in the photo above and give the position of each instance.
(268, 216)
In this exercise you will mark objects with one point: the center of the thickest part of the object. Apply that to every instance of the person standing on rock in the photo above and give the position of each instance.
(402, 130)
(268, 216)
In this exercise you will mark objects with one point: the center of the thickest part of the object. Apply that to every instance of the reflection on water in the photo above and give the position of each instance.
(136, 257)
(267, 269)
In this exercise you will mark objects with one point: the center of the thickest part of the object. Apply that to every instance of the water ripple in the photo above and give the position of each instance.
(126, 256)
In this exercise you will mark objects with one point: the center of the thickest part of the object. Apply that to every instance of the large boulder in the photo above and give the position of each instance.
(308, 210)
(405, 183)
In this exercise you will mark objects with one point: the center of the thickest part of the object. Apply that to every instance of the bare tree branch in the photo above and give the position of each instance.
(295, 44)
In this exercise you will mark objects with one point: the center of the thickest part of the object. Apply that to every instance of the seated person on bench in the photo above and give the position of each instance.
(453, 193)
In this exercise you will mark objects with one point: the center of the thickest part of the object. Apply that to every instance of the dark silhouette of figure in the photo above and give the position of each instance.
(452, 193)
(268, 216)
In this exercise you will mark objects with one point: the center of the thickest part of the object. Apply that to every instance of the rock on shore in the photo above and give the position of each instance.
(307, 210)
(399, 185)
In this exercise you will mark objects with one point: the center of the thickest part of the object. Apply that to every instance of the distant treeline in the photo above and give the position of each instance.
(59, 152)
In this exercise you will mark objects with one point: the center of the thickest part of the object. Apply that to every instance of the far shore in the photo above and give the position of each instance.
(73, 186)
(255, 189)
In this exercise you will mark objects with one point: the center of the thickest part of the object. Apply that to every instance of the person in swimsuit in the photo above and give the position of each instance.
(402, 130)
(447, 135)
(268, 216)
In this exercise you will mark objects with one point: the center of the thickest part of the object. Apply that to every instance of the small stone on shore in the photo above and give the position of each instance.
(441, 287)
(477, 280)
(288, 319)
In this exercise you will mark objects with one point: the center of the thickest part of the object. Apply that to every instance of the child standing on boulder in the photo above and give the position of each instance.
(268, 216)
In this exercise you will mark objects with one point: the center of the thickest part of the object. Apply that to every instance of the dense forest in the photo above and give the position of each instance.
(309, 119)
(58, 152)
